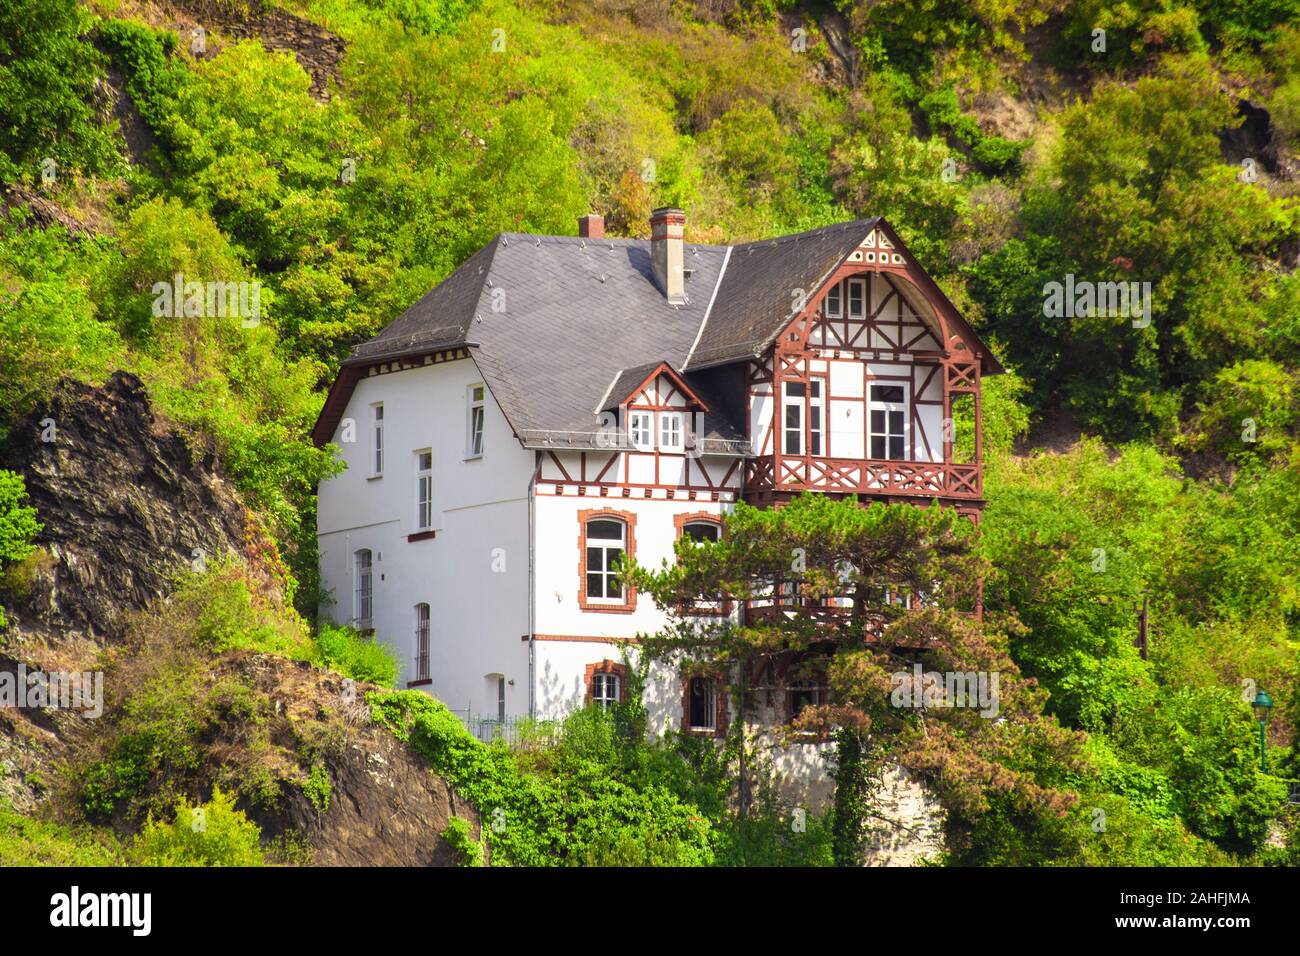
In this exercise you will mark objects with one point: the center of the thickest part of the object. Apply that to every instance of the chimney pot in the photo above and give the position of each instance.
(667, 240)
(591, 226)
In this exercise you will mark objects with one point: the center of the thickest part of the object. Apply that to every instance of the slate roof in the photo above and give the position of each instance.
(555, 323)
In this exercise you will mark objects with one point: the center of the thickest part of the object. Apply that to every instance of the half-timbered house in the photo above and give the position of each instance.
(561, 401)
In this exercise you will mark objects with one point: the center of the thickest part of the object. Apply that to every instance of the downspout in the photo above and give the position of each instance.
(532, 603)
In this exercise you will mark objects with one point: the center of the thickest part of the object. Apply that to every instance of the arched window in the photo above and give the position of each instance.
(364, 597)
(606, 545)
(702, 530)
(422, 642)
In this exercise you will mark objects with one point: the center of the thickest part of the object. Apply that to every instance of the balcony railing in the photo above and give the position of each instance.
(921, 479)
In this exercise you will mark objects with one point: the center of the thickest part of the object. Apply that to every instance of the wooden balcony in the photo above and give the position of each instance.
(914, 479)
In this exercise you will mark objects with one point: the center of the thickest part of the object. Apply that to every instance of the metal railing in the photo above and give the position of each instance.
(517, 731)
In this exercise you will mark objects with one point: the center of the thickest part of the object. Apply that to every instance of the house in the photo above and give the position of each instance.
(559, 401)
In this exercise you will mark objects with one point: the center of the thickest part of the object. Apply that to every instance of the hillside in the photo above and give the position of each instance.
(340, 157)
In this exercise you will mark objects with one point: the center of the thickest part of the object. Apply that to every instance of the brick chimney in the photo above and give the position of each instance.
(591, 226)
(667, 234)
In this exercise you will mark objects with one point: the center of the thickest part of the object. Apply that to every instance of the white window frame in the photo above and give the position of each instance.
(501, 698)
(710, 704)
(423, 490)
(605, 545)
(701, 523)
(858, 288)
(422, 625)
(817, 417)
(377, 440)
(605, 690)
(670, 431)
(363, 594)
(640, 429)
(475, 420)
(833, 306)
(788, 402)
(874, 405)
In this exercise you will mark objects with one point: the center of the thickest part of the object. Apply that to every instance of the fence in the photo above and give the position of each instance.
(517, 732)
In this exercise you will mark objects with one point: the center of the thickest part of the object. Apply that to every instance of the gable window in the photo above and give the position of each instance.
(834, 303)
(606, 544)
(888, 414)
(816, 416)
(857, 296)
(422, 642)
(792, 420)
(641, 430)
(377, 439)
(670, 431)
(364, 595)
(424, 489)
(474, 424)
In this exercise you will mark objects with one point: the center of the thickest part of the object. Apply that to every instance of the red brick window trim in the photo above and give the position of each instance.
(628, 519)
(606, 667)
(719, 728)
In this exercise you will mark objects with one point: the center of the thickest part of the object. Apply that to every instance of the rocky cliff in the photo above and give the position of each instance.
(127, 504)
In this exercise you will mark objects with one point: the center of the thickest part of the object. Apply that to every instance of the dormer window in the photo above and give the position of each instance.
(640, 430)
(670, 431)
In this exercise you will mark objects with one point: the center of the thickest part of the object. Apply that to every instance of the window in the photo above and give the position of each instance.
(793, 420)
(377, 438)
(604, 690)
(702, 704)
(501, 698)
(640, 429)
(422, 642)
(888, 413)
(670, 431)
(816, 416)
(857, 297)
(424, 490)
(474, 440)
(702, 530)
(803, 693)
(363, 606)
(606, 543)
(834, 304)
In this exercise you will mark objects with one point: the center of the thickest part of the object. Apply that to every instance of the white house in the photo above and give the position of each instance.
(559, 400)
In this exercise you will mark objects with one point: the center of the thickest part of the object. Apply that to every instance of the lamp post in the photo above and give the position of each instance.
(1262, 704)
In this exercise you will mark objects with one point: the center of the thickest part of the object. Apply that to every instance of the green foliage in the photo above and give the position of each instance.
(350, 653)
(582, 817)
(18, 524)
(317, 788)
(26, 841)
(459, 835)
(208, 834)
(47, 78)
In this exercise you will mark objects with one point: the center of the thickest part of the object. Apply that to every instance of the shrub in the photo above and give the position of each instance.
(210, 834)
(347, 651)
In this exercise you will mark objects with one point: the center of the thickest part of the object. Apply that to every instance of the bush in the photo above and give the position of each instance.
(457, 833)
(347, 651)
(210, 834)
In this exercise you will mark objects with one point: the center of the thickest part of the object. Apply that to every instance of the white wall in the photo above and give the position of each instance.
(478, 595)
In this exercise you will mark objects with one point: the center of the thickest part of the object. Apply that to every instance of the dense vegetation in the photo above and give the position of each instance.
(453, 120)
